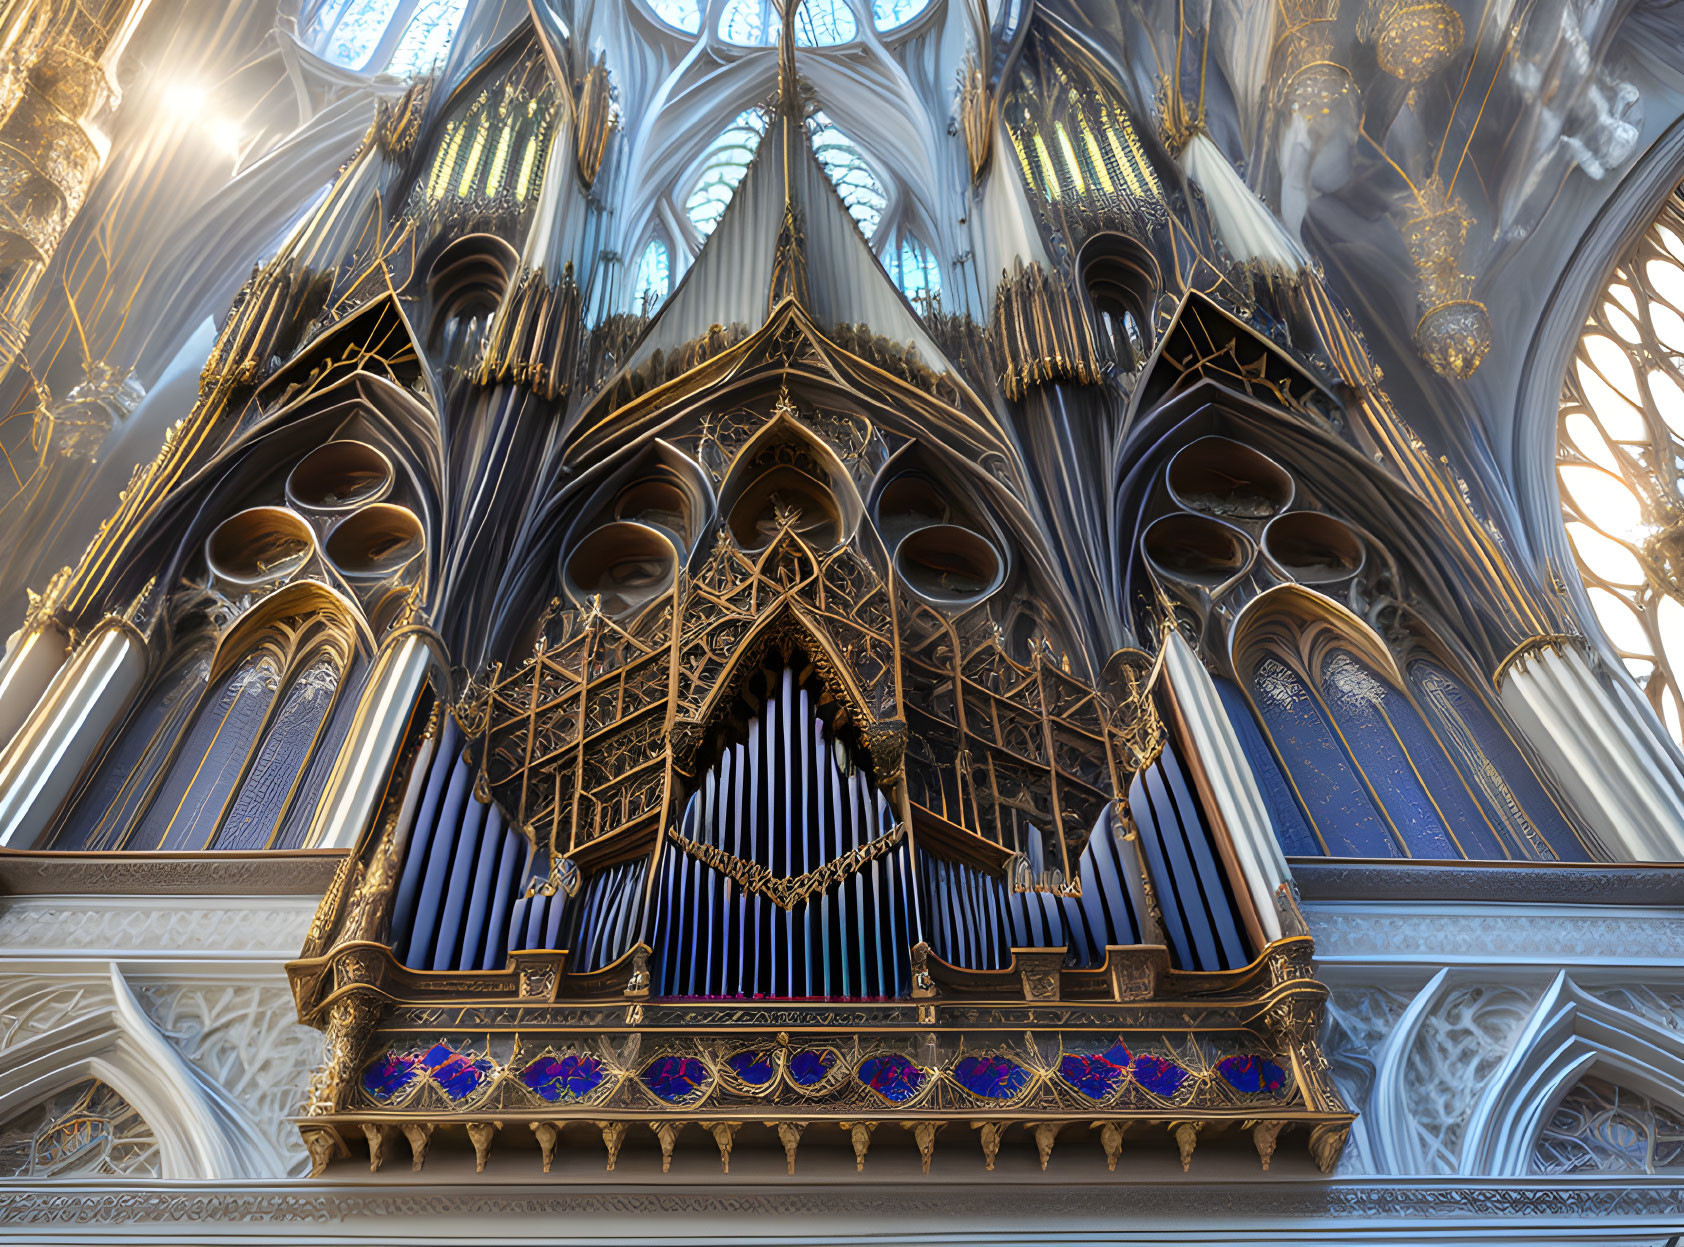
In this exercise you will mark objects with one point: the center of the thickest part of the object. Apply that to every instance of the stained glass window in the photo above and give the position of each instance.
(653, 278)
(889, 14)
(1620, 462)
(685, 15)
(818, 23)
(353, 32)
(347, 31)
(723, 166)
(859, 187)
(914, 269)
(426, 38)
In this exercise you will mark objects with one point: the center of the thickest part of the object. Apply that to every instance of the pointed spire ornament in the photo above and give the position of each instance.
(789, 1134)
(547, 1132)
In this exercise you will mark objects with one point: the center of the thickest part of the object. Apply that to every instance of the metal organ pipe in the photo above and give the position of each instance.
(783, 803)
(25, 673)
(979, 918)
(455, 907)
(353, 789)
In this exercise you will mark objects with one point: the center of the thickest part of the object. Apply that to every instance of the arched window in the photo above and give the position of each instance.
(684, 15)
(914, 269)
(497, 143)
(405, 38)
(1075, 141)
(861, 189)
(818, 23)
(1620, 462)
(427, 38)
(892, 14)
(1382, 769)
(1121, 279)
(1601, 1127)
(347, 31)
(240, 765)
(723, 165)
(653, 278)
(85, 1131)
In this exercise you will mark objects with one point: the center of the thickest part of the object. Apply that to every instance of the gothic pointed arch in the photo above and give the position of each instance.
(1570, 1036)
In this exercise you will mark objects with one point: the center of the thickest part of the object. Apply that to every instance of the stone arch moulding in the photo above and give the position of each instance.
(115, 1042)
(1531, 455)
(1622, 218)
(1569, 1035)
(1393, 1131)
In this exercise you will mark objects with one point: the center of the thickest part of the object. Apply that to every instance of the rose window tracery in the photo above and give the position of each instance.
(1620, 462)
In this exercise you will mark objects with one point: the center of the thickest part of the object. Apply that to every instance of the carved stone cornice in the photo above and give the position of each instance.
(1328, 879)
(284, 872)
(985, 1202)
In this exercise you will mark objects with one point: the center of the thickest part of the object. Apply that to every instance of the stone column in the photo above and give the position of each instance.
(359, 777)
(89, 695)
(1623, 781)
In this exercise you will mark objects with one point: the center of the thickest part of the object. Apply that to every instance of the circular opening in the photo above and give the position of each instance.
(624, 564)
(376, 542)
(654, 502)
(259, 545)
(1313, 548)
(1196, 548)
(785, 495)
(908, 502)
(1225, 478)
(946, 563)
(340, 476)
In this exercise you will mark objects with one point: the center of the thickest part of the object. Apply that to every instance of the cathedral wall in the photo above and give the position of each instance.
(1448, 1019)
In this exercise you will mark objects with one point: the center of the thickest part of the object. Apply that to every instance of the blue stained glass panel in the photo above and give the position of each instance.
(1401, 765)
(1251, 1074)
(202, 776)
(1496, 769)
(389, 1074)
(675, 1079)
(572, 1075)
(1332, 791)
(459, 1074)
(1294, 834)
(810, 1066)
(753, 1066)
(893, 1077)
(992, 1077)
(1159, 1075)
(285, 751)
